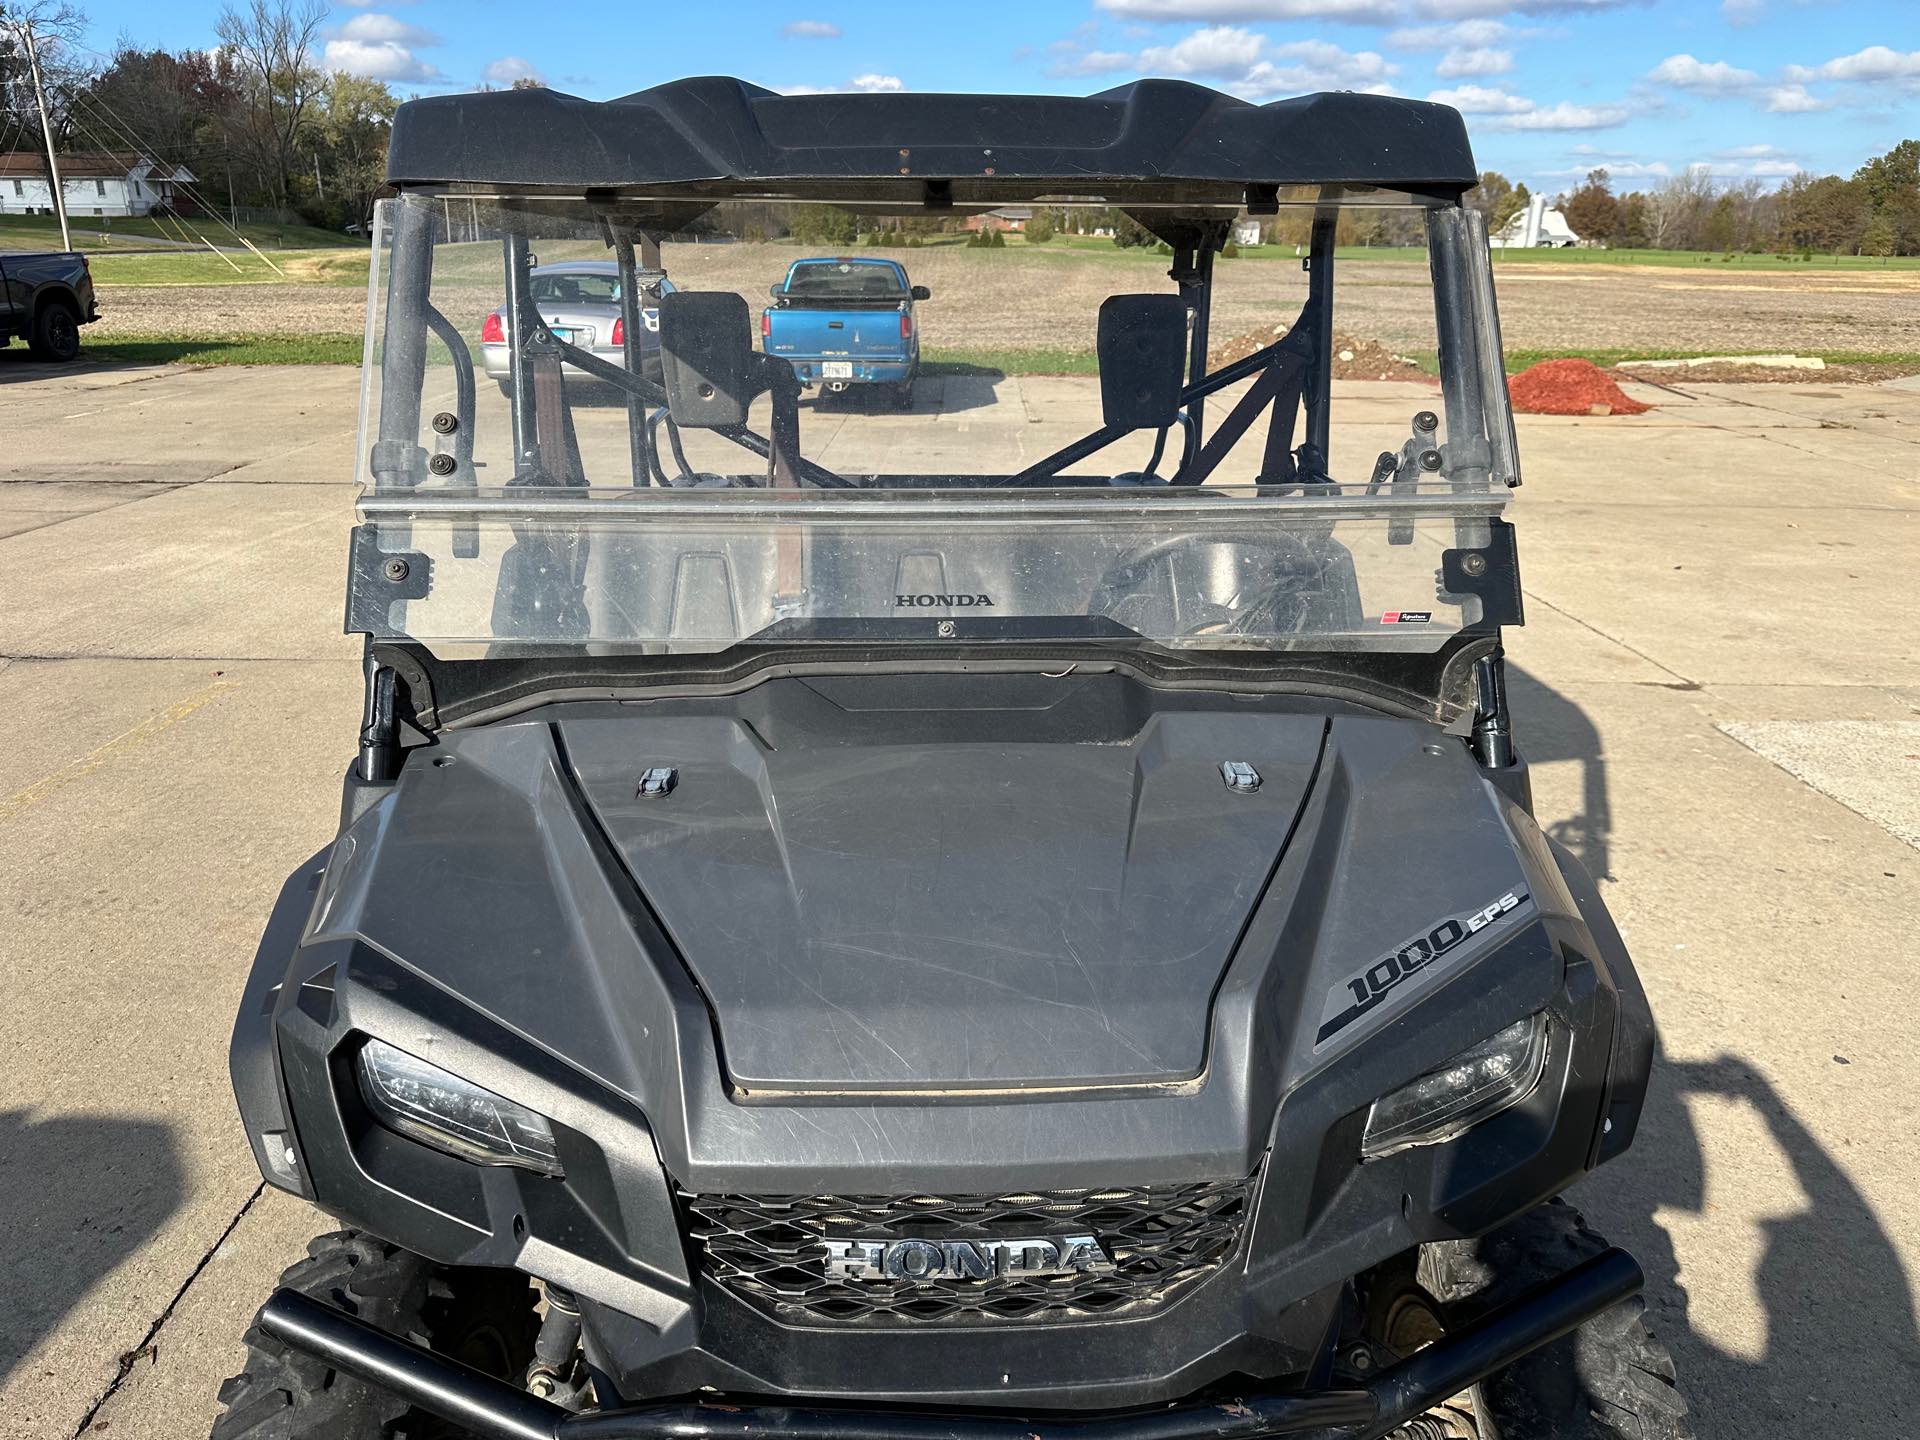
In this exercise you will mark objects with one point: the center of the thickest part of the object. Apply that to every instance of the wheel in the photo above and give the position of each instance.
(902, 395)
(55, 332)
(1612, 1379)
(506, 389)
(484, 1318)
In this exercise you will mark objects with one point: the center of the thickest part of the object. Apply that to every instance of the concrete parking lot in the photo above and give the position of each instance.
(1718, 687)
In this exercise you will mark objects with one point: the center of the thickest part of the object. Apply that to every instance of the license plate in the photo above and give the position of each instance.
(836, 369)
(566, 333)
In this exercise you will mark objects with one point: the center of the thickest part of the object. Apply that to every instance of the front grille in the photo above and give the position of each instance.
(1163, 1239)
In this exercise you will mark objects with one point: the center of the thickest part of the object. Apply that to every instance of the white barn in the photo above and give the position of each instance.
(1535, 226)
(93, 183)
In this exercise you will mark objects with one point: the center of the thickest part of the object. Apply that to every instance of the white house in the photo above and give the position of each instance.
(1246, 231)
(1535, 226)
(93, 183)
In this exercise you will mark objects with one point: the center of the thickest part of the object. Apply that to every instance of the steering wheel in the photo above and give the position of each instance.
(1294, 570)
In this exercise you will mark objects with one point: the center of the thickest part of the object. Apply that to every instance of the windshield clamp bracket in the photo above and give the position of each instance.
(1493, 574)
(376, 578)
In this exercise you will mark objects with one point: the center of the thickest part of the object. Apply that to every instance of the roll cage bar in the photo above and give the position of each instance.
(1294, 375)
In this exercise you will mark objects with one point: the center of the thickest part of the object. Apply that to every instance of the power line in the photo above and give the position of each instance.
(102, 109)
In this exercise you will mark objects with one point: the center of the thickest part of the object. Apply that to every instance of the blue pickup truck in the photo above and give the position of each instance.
(842, 322)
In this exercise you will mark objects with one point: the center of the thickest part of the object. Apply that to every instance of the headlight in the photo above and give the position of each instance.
(407, 1094)
(1475, 1085)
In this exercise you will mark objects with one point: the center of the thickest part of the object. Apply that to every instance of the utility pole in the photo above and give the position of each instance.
(46, 131)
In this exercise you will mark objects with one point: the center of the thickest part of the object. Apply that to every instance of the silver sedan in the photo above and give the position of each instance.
(580, 301)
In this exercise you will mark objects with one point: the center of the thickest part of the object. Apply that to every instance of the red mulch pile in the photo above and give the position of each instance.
(1569, 387)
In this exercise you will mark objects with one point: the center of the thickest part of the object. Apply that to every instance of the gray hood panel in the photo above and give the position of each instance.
(881, 905)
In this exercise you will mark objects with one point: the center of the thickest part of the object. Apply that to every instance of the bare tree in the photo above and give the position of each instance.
(57, 28)
(272, 41)
(1674, 207)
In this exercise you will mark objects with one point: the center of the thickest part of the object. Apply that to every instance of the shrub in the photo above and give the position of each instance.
(1039, 229)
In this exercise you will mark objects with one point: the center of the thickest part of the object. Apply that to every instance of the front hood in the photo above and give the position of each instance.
(972, 887)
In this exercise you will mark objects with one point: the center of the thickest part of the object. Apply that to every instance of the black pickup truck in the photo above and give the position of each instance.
(46, 298)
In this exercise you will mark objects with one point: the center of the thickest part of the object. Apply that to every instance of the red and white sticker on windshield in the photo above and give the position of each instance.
(1406, 617)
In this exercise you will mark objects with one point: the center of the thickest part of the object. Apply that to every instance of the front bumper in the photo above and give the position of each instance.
(492, 1409)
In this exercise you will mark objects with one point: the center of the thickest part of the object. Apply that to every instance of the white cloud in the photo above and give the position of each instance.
(1616, 170)
(1462, 34)
(1566, 116)
(810, 30)
(379, 60)
(1246, 63)
(1482, 100)
(1460, 62)
(1742, 12)
(509, 68)
(1874, 64)
(870, 84)
(1793, 100)
(1357, 12)
(1703, 77)
(1098, 62)
(1301, 66)
(373, 28)
(1223, 50)
(1751, 152)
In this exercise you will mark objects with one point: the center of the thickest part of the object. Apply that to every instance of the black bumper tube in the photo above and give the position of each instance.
(495, 1410)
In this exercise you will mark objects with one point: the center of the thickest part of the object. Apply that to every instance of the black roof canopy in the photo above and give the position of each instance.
(715, 136)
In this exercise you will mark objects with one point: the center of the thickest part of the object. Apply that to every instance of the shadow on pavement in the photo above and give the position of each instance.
(81, 1194)
(1841, 1355)
(1549, 727)
(1842, 1347)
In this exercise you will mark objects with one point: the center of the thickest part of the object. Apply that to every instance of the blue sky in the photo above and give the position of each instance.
(1551, 88)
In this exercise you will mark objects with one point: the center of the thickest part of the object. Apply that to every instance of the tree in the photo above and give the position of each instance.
(1591, 210)
(1129, 233)
(1826, 213)
(1674, 207)
(355, 119)
(1040, 227)
(1498, 199)
(1888, 175)
(1493, 191)
(1630, 222)
(823, 225)
(1877, 239)
(1720, 227)
(271, 42)
(58, 29)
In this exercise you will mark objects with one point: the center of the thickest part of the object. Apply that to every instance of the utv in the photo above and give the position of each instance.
(1018, 918)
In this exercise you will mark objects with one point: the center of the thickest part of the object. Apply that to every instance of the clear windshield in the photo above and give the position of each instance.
(927, 447)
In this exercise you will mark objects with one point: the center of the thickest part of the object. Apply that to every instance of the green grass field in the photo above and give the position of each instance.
(183, 267)
(229, 350)
(106, 234)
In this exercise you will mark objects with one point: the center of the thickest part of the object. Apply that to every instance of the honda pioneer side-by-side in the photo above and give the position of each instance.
(1014, 918)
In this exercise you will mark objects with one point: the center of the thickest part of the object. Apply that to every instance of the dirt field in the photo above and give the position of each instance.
(1044, 299)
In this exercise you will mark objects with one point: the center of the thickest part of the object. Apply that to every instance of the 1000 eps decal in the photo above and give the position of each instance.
(1351, 999)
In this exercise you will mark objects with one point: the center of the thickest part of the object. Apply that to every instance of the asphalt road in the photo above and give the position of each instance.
(1719, 688)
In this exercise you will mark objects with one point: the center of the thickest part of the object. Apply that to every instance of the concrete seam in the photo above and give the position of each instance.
(1612, 639)
(58, 656)
(132, 1357)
